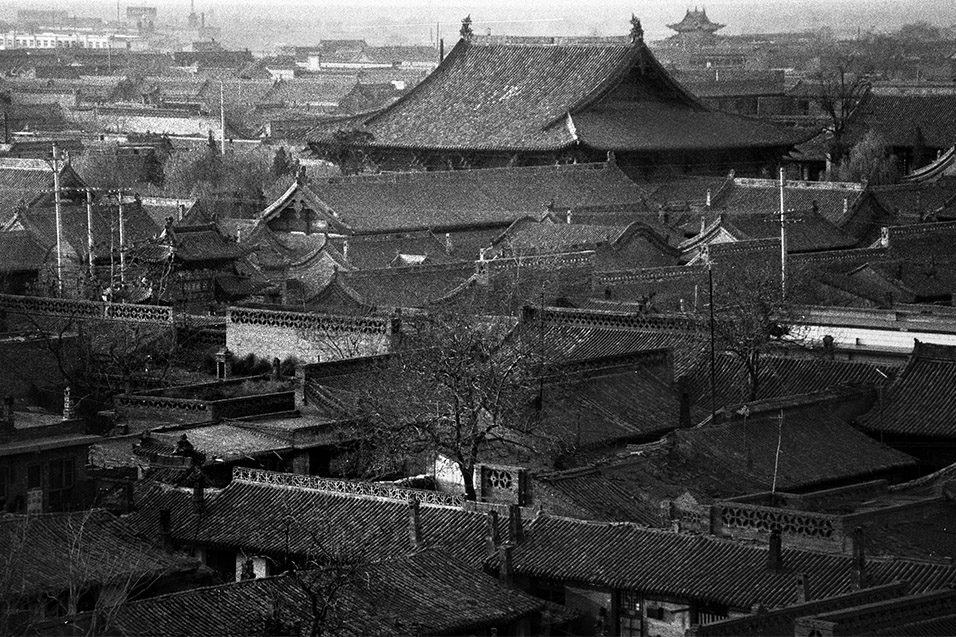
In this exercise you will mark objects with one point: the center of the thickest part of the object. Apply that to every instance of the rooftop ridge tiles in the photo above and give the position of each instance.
(533, 40)
(807, 399)
(410, 269)
(755, 182)
(422, 175)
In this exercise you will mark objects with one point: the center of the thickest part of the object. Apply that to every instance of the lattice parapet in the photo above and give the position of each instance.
(664, 273)
(597, 319)
(306, 321)
(78, 309)
(348, 487)
(762, 520)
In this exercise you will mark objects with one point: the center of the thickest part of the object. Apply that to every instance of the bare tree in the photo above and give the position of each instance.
(751, 316)
(842, 85)
(459, 390)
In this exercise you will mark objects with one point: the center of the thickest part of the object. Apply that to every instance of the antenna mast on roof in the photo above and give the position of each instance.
(222, 114)
(783, 242)
(59, 222)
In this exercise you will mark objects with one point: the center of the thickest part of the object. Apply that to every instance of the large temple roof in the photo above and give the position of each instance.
(696, 21)
(549, 94)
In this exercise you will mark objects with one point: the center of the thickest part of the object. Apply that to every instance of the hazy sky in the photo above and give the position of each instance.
(262, 22)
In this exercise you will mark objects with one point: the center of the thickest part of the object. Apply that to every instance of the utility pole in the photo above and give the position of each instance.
(59, 221)
(783, 242)
(122, 236)
(222, 115)
(89, 227)
(713, 343)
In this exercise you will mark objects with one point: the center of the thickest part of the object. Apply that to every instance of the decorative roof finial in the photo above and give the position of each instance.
(466, 31)
(637, 32)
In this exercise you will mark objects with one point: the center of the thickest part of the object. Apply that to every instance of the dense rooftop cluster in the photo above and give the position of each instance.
(542, 336)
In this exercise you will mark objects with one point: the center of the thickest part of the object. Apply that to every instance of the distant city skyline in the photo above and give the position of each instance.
(260, 23)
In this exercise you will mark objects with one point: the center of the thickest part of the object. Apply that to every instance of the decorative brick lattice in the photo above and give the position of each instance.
(314, 322)
(765, 520)
(348, 487)
(71, 308)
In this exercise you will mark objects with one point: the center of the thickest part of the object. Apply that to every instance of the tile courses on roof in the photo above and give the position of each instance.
(613, 400)
(277, 514)
(812, 441)
(41, 222)
(617, 247)
(780, 376)
(896, 118)
(546, 94)
(657, 562)
(20, 252)
(407, 286)
(921, 400)
(710, 462)
(835, 201)
(571, 334)
(366, 252)
(428, 593)
(44, 552)
(27, 181)
(454, 200)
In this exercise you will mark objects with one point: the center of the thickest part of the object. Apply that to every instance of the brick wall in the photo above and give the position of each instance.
(308, 337)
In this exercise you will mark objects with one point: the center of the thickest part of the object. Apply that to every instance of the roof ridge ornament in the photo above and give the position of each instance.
(466, 31)
(637, 31)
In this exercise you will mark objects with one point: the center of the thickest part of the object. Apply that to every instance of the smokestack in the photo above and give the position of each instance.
(506, 565)
(199, 492)
(859, 559)
(683, 420)
(515, 528)
(492, 538)
(166, 529)
(775, 554)
(415, 525)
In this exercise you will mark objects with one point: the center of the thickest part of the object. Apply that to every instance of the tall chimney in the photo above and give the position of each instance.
(775, 552)
(199, 492)
(515, 528)
(506, 565)
(858, 565)
(166, 529)
(492, 538)
(803, 588)
(683, 419)
(415, 525)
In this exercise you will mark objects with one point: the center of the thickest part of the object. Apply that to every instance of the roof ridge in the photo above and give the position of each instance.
(545, 40)
(422, 175)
